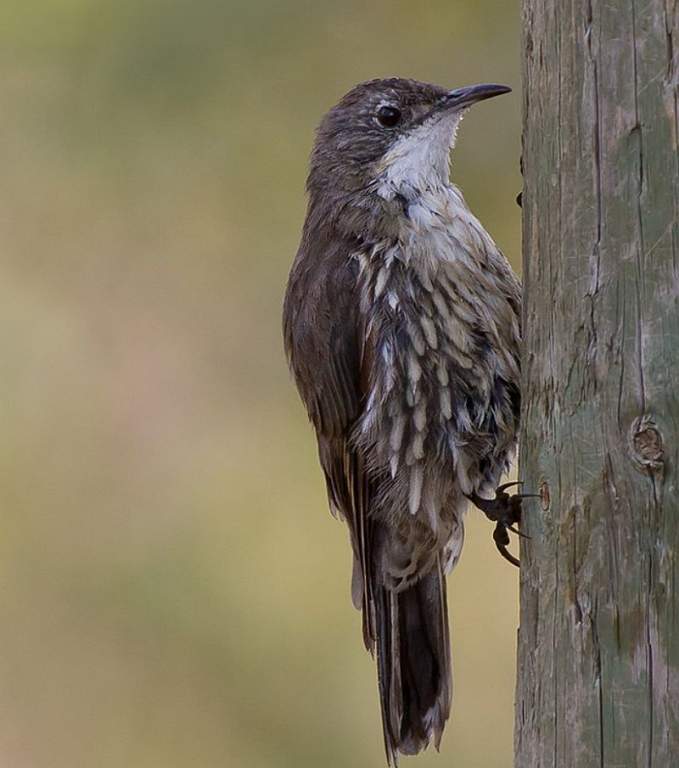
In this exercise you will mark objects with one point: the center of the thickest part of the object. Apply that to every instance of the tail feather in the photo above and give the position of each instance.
(413, 664)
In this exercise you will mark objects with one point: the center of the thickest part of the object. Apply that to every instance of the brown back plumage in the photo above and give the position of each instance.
(330, 360)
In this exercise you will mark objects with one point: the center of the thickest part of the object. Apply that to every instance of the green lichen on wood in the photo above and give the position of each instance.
(598, 677)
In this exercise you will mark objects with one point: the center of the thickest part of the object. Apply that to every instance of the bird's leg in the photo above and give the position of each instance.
(505, 511)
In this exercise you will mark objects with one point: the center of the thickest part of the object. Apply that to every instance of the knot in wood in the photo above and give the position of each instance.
(647, 444)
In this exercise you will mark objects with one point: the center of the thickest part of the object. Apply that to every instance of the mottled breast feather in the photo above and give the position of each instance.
(406, 353)
(441, 307)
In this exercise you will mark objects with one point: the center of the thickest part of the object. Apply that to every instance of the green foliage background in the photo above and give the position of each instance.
(173, 590)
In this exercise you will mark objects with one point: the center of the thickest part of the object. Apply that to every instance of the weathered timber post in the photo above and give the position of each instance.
(598, 680)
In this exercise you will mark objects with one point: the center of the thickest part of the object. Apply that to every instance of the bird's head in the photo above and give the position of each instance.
(388, 140)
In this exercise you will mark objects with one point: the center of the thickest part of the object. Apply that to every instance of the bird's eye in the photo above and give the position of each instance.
(388, 117)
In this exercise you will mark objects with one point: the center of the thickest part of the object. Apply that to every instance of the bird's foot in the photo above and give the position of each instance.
(505, 511)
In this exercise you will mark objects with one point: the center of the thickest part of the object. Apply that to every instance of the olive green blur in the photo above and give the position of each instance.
(173, 590)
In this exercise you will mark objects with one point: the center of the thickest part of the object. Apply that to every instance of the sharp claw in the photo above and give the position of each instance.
(502, 549)
(517, 532)
(502, 488)
(501, 538)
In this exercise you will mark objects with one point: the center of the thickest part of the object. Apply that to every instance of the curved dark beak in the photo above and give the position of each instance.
(461, 98)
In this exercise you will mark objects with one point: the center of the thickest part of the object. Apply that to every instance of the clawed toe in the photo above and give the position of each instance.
(501, 539)
(517, 532)
(505, 511)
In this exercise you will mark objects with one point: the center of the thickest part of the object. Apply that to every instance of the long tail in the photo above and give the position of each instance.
(413, 664)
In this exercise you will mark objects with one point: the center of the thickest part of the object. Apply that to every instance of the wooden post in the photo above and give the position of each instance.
(598, 678)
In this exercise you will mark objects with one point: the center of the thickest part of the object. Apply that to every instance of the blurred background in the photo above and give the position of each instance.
(173, 591)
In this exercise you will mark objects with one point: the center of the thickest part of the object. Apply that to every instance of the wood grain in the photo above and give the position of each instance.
(598, 680)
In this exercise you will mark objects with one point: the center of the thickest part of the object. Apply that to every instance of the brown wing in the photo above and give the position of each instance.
(324, 344)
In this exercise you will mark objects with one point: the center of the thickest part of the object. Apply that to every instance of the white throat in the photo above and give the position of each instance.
(419, 161)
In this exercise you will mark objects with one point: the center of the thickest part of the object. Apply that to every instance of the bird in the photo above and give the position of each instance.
(401, 326)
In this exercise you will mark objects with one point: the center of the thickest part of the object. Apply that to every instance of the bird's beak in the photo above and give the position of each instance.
(461, 98)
